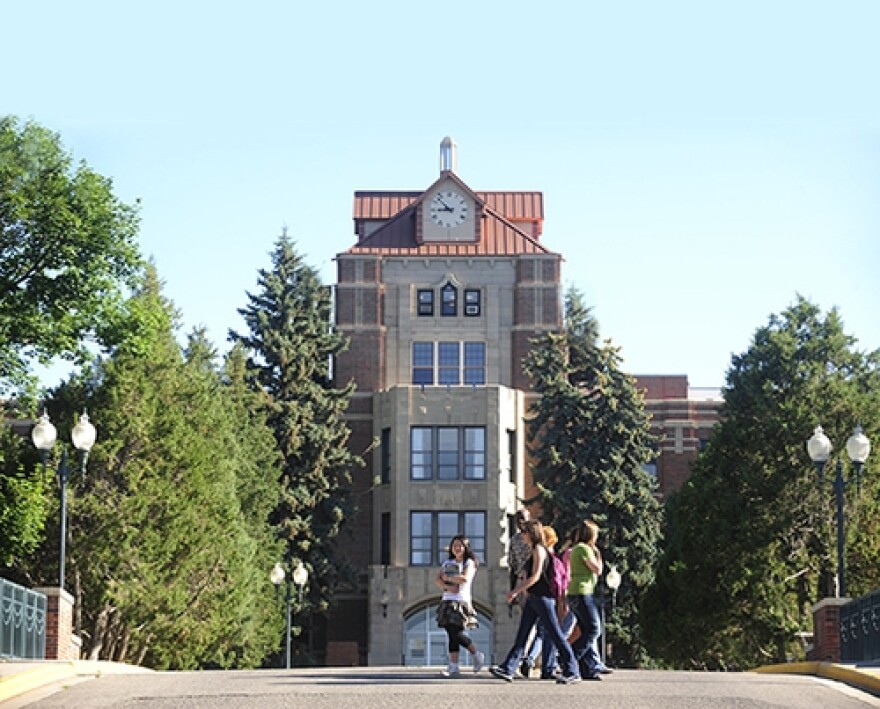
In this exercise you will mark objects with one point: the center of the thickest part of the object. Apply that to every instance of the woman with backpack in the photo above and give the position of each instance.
(540, 605)
(585, 562)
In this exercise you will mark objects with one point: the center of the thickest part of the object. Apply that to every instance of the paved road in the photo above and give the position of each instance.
(402, 688)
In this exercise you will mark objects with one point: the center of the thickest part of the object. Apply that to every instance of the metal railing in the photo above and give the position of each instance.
(22, 622)
(860, 629)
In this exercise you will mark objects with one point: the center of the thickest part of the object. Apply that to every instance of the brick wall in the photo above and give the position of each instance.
(61, 643)
(826, 630)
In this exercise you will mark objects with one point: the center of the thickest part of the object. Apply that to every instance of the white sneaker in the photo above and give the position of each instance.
(451, 671)
(479, 659)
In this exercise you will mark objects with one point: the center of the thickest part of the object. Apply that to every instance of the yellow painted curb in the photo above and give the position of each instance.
(37, 677)
(869, 681)
(792, 668)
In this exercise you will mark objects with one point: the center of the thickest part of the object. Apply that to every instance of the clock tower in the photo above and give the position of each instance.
(449, 210)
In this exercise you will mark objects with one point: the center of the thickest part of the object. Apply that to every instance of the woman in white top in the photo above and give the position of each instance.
(456, 612)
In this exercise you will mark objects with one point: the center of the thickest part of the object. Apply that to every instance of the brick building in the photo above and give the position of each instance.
(440, 296)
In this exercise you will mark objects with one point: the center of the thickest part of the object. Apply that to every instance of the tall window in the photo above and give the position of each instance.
(474, 363)
(385, 539)
(385, 446)
(423, 363)
(511, 454)
(449, 363)
(431, 532)
(449, 300)
(448, 453)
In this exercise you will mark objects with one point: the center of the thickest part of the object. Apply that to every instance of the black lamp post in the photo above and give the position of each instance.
(44, 435)
(300, 578)
(857, 448)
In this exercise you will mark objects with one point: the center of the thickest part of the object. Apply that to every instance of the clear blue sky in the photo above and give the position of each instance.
(701, 163)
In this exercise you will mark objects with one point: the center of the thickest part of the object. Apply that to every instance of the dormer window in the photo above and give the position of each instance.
(449, 300)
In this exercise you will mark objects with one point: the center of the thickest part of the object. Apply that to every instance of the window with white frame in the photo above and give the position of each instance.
(448, 453)
(431, 532)
(449, 363)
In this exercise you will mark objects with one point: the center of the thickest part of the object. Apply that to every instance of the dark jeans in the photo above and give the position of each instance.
(549, 653)
(540, 608)
(587, 614)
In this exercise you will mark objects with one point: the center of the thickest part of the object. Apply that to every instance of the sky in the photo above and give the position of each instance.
(702, 164)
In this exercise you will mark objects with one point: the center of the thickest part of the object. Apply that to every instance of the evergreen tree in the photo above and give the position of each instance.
(589, 440)
(24, 502)
(290, 345)
(751, 537)
(167, 563)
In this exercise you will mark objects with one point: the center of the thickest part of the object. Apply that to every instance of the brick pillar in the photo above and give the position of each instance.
(826, 629)
(61, 643)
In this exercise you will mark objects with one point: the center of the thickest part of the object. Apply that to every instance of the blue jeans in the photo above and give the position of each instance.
(585, 649)
(535, 650)
(550, 654)
(541, 608)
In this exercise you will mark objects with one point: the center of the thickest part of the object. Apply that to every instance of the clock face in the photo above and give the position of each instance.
(448, 209)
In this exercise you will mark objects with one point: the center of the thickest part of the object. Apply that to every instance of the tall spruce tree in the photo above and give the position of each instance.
(589, 440)
(167, 567)
(750, 540)
(290, 344)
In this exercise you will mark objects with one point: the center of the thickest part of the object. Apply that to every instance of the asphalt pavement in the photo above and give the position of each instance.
(56, 683)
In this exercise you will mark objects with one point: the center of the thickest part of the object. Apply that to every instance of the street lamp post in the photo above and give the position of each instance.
(857, 448)
(44, 436)
(300, 578)
(612, 581)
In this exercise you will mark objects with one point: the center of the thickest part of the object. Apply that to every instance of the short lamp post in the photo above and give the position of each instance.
(857, 448)
(300, 579)
(612, 581)
(44, 436)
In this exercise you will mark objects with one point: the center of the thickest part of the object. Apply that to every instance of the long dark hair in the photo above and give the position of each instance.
(468, 552)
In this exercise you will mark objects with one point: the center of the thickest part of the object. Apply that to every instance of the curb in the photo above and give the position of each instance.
(868, 681)
(48, 672)
(22, 682)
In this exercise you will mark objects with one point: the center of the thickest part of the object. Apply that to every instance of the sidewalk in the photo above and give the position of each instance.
(18, 677)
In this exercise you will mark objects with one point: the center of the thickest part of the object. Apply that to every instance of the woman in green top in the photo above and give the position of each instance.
(586, 567)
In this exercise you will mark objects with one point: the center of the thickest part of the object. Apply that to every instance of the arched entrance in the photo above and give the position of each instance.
(425, 644)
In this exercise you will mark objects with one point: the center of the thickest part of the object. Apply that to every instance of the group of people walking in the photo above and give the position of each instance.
(551, 619)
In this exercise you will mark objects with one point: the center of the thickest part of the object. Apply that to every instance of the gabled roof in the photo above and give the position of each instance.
(499, 237)
(510, 225)
(514, 206)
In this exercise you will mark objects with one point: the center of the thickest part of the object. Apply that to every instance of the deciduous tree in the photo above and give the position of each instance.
(751, 537)
(67, 252)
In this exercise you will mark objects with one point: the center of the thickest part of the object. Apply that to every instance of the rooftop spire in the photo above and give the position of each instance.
(448, 157)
